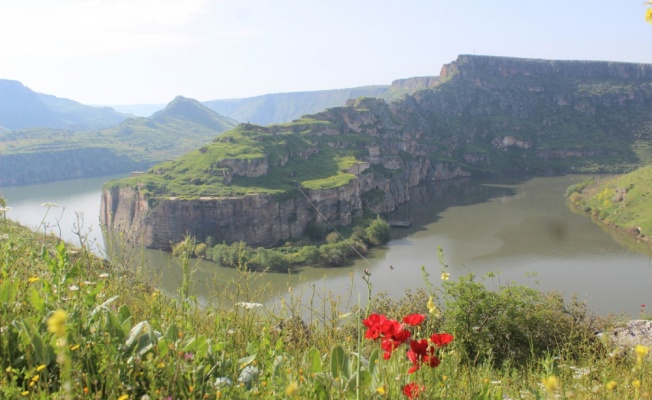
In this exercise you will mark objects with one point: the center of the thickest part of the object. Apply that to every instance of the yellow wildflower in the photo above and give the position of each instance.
(57, 323)
(33, 279)
(642, 350)
(551, 383)
(24, 393)
(292, 389)
(381, 390)
(648, 15)
(636, 383)
(611, 385)
(432, 307)
(445, 275)
(123, 397)
(40, 368)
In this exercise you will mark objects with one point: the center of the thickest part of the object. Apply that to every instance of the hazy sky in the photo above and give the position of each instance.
(149, 51)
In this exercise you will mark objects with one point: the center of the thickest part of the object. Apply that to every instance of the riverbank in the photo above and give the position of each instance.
(622, 203)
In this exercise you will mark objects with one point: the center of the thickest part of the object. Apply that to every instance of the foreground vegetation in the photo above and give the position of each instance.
(74, 326)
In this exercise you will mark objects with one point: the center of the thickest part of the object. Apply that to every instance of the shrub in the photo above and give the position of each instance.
(378, 232)
(200, 249)
(332, 237)
(273, 259)
(309, 255)
(513, 323)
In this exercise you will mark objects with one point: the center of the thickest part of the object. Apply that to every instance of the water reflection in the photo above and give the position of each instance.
(515, 227)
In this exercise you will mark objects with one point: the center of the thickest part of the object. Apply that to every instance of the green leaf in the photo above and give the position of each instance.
(313, 359)
(8, 291)
(113, 326)
(103, 306)
(163, 348)
(364, 382)
(124, 316)
(172, 333)
(320, 388)
(201, 346)
(373, 360)
(337, 361)
(243, 362)
(37, 300)
(41, 353)
(134, 333)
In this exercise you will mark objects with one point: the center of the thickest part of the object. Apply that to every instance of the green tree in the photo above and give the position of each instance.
(378, 232)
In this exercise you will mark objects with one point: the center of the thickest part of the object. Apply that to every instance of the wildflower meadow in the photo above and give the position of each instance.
(74, 326)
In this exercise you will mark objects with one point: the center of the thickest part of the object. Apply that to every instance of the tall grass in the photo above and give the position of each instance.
(75, 327)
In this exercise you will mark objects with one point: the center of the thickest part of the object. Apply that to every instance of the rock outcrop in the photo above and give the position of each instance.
(486, 115)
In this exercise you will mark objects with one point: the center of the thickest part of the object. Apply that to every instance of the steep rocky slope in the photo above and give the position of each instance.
(486, 115)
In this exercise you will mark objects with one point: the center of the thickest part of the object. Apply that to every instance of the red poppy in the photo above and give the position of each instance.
(441, 339)
(414, 319)
(374, 324)
(421, 352)
(388, 345)
(432, 360)
(401, 336)
(412, 390)
(420, 347)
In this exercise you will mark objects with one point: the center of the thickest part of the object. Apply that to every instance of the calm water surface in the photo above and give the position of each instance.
(521, 230)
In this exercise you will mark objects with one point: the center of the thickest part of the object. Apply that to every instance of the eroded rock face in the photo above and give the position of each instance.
(257, 219)
(499, 114)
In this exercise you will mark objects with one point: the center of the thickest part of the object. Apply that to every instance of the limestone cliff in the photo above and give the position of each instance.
(264, 185)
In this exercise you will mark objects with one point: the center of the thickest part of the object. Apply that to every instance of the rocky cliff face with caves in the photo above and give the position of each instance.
(486, 115)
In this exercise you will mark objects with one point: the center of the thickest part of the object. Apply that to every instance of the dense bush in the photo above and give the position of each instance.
(513, 323)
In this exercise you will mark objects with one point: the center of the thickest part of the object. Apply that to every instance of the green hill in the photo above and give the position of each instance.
(40, 155)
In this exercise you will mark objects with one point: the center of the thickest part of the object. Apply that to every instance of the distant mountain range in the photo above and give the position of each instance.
(285, 107)
(40, 155)
(22, 108)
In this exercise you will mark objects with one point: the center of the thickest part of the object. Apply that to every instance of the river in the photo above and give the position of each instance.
(520, 230)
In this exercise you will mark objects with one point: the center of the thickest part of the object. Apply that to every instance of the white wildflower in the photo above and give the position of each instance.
(49, 205)
(249, 305)
(73, 288)
(104, 275)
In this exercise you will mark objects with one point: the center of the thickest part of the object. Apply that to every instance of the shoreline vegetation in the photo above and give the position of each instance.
(76, 327)
(318, 248)
(621, 202)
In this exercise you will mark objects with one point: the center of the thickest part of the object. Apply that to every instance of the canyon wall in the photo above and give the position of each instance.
(487, 115)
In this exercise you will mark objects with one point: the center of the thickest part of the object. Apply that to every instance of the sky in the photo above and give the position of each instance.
(119, 52)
